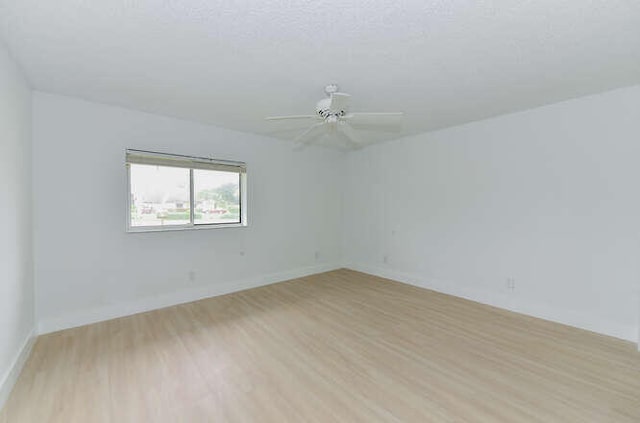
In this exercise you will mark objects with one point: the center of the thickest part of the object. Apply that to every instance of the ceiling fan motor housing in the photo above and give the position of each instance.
(323, 108)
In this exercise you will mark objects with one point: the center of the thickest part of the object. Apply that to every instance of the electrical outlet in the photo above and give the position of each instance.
(242, 253)
(385, 259)
(511, 284)
(192, 276)
(316, 255)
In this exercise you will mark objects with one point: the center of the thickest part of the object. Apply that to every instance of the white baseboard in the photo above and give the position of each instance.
(11, 375)
(578, 320)
(113, 311)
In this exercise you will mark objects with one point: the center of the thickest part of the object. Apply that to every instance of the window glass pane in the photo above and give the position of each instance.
(159, 195)
(217, 196)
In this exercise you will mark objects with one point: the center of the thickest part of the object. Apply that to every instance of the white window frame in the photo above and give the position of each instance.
(133, 156)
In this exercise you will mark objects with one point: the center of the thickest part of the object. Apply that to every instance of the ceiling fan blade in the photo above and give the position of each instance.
(350, 134)
(340, 102)
(292, 117)
(373, 115)
(309, 135)
(393, 121)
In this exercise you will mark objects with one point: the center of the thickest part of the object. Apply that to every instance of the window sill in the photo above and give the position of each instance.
(142, 229)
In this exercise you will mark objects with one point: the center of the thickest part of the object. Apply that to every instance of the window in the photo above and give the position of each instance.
(168, 192)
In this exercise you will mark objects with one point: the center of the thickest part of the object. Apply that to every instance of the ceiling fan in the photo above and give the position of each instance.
(333, 115)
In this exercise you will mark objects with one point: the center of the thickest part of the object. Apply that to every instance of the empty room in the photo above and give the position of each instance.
(297, 211)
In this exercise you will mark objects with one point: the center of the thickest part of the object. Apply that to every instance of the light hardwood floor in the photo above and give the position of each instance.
(336, 347)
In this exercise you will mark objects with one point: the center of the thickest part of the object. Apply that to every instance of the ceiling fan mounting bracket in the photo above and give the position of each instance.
(330, 89)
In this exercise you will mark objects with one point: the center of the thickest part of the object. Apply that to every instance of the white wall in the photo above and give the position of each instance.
(88, 268)
(16, 265)
(549, 197)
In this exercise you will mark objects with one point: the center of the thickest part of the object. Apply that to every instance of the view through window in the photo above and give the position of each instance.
(170, 194)
(217, 196)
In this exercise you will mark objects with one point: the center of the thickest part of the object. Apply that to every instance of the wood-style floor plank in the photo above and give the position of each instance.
(340, 346)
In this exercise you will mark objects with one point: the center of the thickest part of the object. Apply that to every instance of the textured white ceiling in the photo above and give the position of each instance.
(233, 62)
